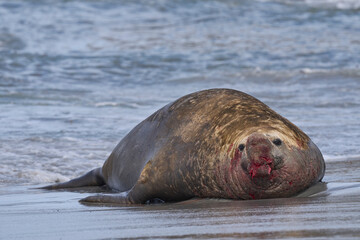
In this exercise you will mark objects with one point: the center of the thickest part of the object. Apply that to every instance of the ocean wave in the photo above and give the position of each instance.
(282, 76)
(117, 104)
(323, 4)
(334, 4)
(330, 158)
(10, 41)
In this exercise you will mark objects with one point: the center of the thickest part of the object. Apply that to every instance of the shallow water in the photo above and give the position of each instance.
(76, 76)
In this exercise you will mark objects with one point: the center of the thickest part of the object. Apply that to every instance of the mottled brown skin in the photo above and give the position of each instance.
(217, 143)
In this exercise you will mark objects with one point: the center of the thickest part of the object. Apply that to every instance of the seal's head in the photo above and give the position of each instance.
(268, 162)
(273, 164)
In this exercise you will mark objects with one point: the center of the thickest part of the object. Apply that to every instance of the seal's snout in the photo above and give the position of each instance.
(259, 150)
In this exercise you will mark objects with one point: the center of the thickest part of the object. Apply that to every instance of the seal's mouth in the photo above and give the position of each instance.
(261, 168)
(264, 167)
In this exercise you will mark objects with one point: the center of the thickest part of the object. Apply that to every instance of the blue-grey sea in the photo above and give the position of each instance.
(77, 75)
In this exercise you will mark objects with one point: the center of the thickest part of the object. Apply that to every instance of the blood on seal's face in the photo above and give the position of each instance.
(271, 166)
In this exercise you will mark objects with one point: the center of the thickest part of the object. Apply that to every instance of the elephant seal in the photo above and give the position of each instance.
(217, 143)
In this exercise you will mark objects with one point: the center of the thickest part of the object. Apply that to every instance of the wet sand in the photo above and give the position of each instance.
(330, 210)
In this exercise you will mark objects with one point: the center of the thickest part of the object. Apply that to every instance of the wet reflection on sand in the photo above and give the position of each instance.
(327, 210)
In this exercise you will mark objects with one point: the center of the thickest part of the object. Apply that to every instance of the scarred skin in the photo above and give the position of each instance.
(217, 143)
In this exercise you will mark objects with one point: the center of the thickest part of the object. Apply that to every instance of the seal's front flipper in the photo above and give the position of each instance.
(92, 178)
(120, 198)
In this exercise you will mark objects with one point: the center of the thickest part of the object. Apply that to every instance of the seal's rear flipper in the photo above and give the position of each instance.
(120, 198)
(139, 194)
(92, 178)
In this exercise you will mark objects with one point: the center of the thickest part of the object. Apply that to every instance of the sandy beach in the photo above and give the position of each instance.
(331, 212)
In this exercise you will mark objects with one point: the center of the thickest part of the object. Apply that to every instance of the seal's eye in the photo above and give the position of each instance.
(241, 147)
(277, 142)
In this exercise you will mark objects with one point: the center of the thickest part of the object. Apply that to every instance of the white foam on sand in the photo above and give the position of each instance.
(40, 176)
